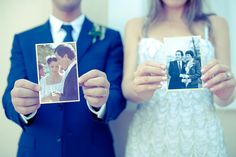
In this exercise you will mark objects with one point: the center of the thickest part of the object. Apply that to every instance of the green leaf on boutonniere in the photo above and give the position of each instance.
(97, 33)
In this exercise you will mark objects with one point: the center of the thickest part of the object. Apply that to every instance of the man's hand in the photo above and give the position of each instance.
(25, 97)
(95, 87)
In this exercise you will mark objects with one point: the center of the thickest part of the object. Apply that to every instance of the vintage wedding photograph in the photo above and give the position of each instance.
(183, 56)
(57, 72)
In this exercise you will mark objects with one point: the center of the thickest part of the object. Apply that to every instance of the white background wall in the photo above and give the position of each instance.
(120, 11)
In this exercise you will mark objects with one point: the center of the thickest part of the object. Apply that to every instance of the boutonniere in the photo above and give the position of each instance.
(97, 33)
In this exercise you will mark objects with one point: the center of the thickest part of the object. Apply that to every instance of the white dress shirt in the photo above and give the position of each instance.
(180, 64)
(58, 35)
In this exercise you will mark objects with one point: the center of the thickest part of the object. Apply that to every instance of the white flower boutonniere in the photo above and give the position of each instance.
(97, 33)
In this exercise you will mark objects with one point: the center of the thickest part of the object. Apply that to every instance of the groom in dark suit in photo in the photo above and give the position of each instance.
(176, 68)
(66, 58)
(67, 129)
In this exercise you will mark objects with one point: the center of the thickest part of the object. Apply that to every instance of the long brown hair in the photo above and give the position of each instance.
(193, 12)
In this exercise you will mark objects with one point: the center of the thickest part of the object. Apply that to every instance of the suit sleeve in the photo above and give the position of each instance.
(17, 71)
(114, 69)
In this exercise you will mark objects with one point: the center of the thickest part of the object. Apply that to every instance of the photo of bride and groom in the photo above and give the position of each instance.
(184, 67)
(57, 72)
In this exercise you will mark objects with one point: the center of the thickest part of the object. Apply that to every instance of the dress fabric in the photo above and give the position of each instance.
(47, 89)
(175, 123)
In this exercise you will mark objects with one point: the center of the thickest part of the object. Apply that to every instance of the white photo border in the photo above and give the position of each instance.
(38, 76)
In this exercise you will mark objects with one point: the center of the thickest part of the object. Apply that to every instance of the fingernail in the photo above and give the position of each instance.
(203, 70)
(39, 106)
(37, 88)
(163, 66)
(164, 78)
(203, 77)
(205, 85)
(211, 89)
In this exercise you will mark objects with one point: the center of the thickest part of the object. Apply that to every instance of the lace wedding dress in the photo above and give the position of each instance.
(175, 123)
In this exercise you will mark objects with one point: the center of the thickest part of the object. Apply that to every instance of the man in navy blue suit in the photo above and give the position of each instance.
(66, 58)
(176, 68)
(68, 129)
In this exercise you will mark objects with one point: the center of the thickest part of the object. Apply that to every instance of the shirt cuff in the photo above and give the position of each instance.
(28, 117)
(100, 113)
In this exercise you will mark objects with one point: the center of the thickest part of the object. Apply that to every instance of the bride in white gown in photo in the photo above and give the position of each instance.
(52, 83)
(181, 123)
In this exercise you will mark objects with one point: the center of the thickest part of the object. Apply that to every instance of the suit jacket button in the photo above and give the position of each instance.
(58, 140)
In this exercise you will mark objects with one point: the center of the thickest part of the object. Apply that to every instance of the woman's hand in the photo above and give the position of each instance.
(148, 78)
(218, 79)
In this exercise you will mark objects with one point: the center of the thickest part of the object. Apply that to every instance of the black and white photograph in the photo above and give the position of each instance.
(57, 72)
(183, 62)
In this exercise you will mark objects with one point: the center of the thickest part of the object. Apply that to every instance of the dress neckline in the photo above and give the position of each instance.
(151, 38)
(162, 42)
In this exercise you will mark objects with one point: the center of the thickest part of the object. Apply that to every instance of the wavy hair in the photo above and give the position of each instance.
(193, 12)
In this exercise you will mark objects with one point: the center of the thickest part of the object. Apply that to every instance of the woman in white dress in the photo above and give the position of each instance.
(180, 123)
(52, 83)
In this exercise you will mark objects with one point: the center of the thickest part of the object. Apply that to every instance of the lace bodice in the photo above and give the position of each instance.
(179, 123)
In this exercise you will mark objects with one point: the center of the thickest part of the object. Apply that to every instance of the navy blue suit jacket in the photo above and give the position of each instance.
(70, 89)
(68, 129)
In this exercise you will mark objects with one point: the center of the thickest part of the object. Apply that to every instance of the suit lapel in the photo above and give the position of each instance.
(45, 35)
(85, 40)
